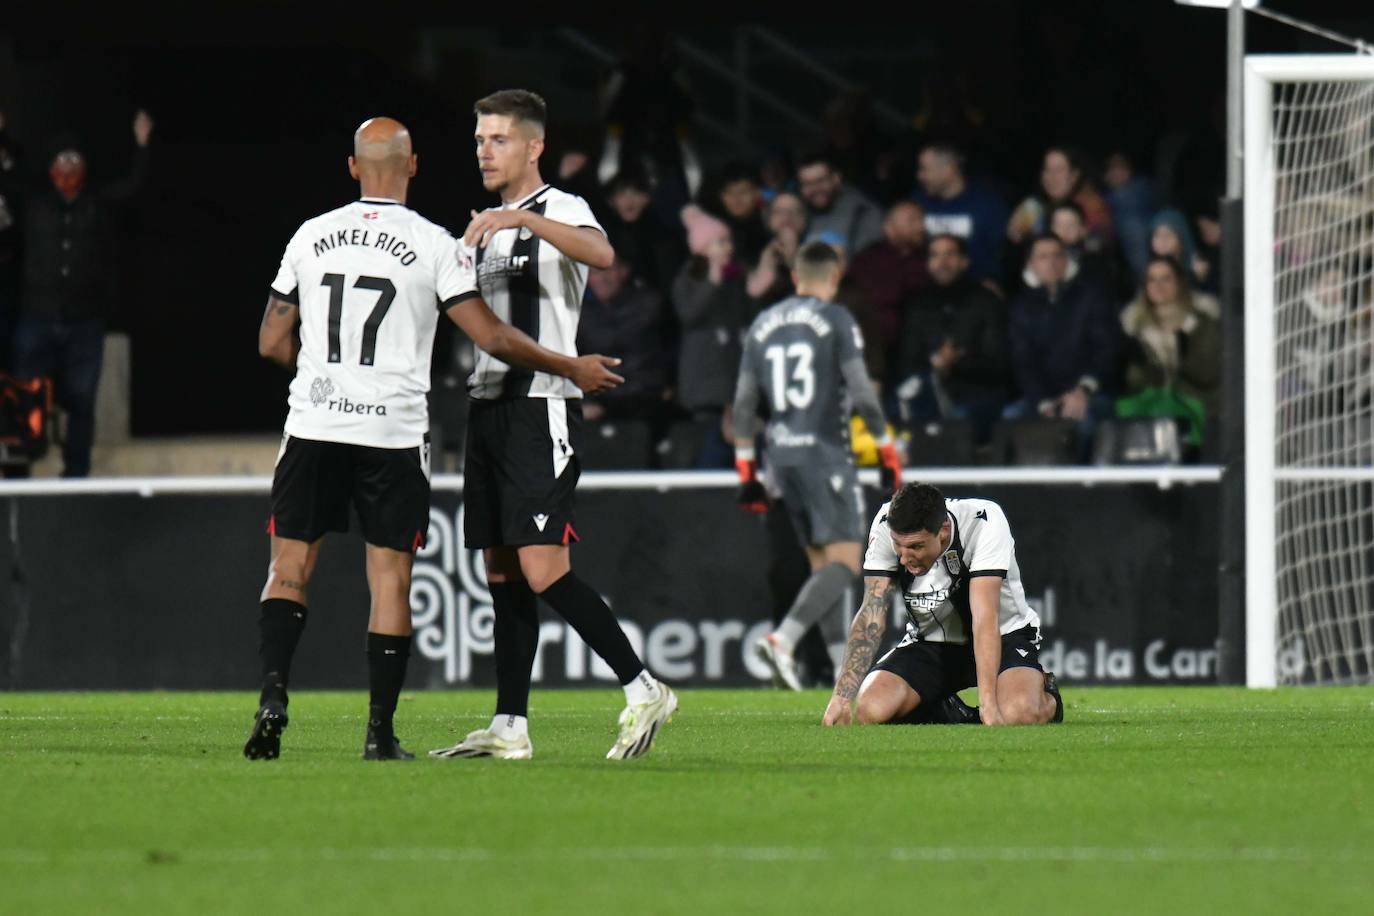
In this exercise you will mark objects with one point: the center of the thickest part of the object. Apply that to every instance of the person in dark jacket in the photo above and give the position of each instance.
(653, 251)
(67, 288)
(1064, 339)
(713, 311)
(953, 361)
(622, 315)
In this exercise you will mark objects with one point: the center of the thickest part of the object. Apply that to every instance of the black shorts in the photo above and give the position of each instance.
(519, 472)
(315, 482)
(937, 669)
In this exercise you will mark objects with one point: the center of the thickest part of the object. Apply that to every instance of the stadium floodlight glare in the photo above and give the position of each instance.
(1218, 4)
(1309, 357)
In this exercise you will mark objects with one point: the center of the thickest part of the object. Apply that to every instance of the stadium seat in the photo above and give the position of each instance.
(1141, 440)
(615, 445)
(1037, 441)
(947, 443)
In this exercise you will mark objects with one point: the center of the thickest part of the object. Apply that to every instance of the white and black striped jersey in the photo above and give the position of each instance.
(937, 603)
(536, 288)
(371, 279)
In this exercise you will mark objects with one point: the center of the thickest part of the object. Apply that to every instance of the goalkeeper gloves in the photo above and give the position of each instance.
(889, 466)
(752, 496)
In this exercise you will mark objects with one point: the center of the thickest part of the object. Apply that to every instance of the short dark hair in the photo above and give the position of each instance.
(520, 104)
(816, 157)
(629, 180)
(814, 258)
(736, 172)
(946, 148)
(959, 242)
(1043, 237)
(916, 507)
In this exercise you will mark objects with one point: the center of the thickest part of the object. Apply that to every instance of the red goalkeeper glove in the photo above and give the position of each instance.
(889, 467)
(752, 496)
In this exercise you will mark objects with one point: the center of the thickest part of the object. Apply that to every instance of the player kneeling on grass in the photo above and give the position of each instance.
(969, 625)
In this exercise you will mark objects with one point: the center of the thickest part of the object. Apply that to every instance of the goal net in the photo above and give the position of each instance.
(1309, 251)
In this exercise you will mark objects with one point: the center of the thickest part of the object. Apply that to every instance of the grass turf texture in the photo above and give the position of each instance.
(1145, 801)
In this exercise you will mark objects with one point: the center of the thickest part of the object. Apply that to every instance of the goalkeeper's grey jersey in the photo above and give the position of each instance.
(796, 350)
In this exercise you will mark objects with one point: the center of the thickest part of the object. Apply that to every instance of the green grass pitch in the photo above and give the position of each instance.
(1144, 801)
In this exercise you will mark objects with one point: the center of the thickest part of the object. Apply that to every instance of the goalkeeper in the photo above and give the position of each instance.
(803, 367)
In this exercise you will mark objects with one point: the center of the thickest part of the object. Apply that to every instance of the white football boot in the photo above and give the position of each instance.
(639, 725)
(486, 743)
(779, 661)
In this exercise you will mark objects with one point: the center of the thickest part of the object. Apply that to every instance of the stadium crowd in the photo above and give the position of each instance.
(1089, 296)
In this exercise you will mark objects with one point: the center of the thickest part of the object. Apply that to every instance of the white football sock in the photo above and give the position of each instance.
(510, 727)
(641, 689)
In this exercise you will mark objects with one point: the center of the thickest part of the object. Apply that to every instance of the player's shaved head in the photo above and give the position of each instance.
(382, 145)
(817, 262)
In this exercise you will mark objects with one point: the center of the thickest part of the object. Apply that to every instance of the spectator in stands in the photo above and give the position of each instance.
(1170, 237)
(713, 309)
(1173, 336)
(68, 286)
(953, 206)
(741, 206)
(1131, 198)
(1095, 267)
(653, 252)
(1062, 178)
(893, 270)
(776, 173)
(622, 315)
(953, 361)
(838, 212)
(1064, 342)
(771, 279)
(1207, 258)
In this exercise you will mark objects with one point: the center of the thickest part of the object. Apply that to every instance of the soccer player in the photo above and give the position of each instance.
(803, 357)
(954, 564)
(354, 308)
(521, 466)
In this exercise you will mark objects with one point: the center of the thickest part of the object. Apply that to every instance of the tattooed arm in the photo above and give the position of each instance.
(277, 338)
(864, 637)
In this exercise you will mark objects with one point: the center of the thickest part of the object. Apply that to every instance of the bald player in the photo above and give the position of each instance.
(353, 310)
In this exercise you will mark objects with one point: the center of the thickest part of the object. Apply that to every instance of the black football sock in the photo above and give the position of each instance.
(279, 629)
(516, 634)
(580, 605)
(386, 667)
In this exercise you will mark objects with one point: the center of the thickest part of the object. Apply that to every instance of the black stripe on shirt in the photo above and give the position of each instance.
(459, 299)
(988, 572)
(524, 305)
(293, 297)
(884, 573)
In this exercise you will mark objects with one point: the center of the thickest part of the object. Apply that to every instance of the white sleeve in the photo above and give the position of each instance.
(989, 543)
(285, 286)
(572, 210)
(455, 273)
(881, 558)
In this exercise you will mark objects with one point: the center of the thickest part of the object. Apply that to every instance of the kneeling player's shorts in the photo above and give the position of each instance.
(316, 481)
(520, 470)
(825, 502)
(937, 669)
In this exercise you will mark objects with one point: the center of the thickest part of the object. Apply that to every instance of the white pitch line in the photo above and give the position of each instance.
(1124, 855)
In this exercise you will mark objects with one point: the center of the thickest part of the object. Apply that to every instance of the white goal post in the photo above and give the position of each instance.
(1309, 285)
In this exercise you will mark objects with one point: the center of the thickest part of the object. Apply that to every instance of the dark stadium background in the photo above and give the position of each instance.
(255, 103)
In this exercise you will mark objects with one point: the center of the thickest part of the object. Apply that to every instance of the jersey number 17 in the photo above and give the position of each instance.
(335, 283)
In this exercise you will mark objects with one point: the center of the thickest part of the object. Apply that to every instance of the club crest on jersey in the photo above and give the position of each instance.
(953, 563)
(320, 390)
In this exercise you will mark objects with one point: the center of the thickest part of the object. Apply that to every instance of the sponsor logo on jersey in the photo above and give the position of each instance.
(495, 268)
(321, 395)
(780, 435)
(926, 601)
(320, 390)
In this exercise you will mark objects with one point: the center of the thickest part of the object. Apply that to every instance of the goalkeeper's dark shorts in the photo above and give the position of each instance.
(825, 502)
(935, 670)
